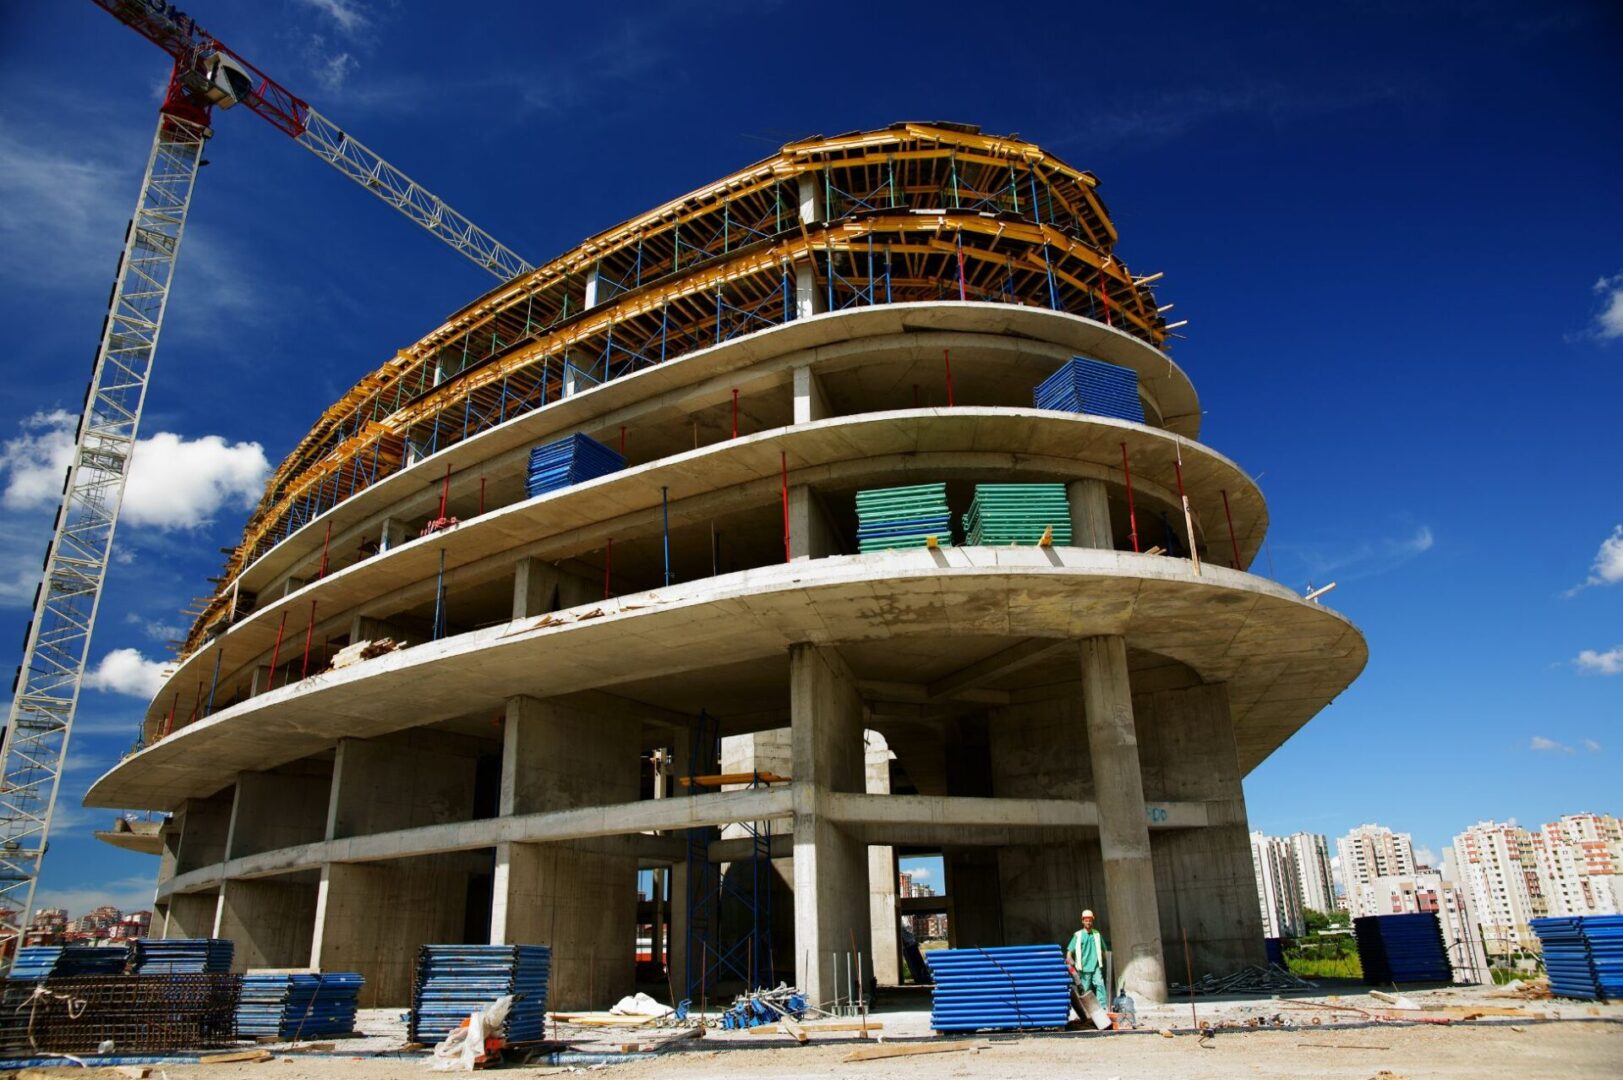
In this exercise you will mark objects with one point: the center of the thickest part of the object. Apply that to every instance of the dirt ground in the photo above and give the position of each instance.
(1310, 1034)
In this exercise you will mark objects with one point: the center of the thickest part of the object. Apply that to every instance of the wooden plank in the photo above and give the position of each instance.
(787, 1023)
(719, 779)
(240, 1056)
(874, 1053)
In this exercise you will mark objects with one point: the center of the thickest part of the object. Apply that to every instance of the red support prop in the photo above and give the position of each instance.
(608, 564)
(1232, 542)
(735, 412)
(963, 292)
(197, 707)
(622, 440)
(309, 635)
(1104, 296)
(325, 544)
(784, 459)
(1132, 518)
(946, 357)
(169, 722)
(276, 653)
(445, 491)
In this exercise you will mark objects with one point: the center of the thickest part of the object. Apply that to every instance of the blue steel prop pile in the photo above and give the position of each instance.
(1583, 956)
(181, 956)
(1018, 514)
(292, 1006)
(1402, 949)
(1013, 988)
(1094, 387)
(65, 961)
(454, 981)
(568, 461)
(902, 517)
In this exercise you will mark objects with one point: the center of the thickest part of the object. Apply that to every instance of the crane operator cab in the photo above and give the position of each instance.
(228, 82)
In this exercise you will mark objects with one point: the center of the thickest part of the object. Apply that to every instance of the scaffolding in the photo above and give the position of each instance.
(914, 212)
(717, 898)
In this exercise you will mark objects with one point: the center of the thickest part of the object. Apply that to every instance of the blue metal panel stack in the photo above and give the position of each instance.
(59, 961)
(1402, 949)
(292, 1006)
(1583, 955)
(183, 956)
(902, 517)
(1092, 386)
(568, 461)
(454, 981)
(1024, 986)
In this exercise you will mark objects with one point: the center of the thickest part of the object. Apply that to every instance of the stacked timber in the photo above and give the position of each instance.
(903, 517)
(455, 981)
(569, 461)
(1583, 955)
(1012, 988)
(1094, 387)
(289, 1005)
(1018, 514)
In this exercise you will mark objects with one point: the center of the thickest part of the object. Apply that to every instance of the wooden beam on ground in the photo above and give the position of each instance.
(891, 1050)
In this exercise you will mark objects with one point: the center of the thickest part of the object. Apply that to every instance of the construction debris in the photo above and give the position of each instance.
(362, 650)
(1248, 980)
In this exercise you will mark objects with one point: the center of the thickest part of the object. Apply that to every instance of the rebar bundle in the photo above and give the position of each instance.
(1248, 980)
(135, 1013)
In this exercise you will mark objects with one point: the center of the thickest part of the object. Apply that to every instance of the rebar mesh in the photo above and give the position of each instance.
(136, 1013)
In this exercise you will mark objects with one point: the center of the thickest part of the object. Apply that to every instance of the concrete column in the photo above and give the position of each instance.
(1090, 514)
(811, 403)
(535, 588)
(373, 917)
(259, 681)
(558, 754)
(809, 299)
(277, 810)
(831, 866)
(1132, 920)
(1205, 877)
(590, 300)
(810, 534)
(204, 827)
(271, 921)
(572, 381)
(191, 915)
(885, 943)
(391, 535)
(811, 199)
(292, 585)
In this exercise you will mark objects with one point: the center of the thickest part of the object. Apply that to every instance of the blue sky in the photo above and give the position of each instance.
(1395, 229)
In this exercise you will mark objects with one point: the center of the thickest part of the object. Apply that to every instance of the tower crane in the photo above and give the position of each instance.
(206, 75)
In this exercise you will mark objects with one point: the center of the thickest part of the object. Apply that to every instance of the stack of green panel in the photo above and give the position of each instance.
(902, 517)
(1017, 514)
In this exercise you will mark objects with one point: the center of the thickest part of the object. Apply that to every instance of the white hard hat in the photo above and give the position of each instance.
(1087, 914)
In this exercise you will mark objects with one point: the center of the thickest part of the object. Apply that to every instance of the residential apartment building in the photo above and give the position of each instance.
(1311, 853)
(1369, 852)
(1279, 891)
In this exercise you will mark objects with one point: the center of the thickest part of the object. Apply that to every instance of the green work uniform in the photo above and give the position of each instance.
(1086, 952)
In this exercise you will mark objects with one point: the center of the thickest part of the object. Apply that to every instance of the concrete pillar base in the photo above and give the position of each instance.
(582, 904)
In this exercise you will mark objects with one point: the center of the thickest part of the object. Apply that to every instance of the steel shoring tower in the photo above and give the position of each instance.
(46, 691)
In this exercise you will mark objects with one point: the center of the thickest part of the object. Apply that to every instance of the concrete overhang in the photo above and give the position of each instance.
(141, 837)
(1283, 658)
(883, 448)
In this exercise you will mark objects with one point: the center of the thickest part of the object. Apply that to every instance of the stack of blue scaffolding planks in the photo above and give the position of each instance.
(183, 956)
(1583, 955)
(294, 1006)
(454, 981)
(571, 460)
(1018, 514)
(1402, 949)
(1094, 387)
(1018, 987)
(902, 517)
(62, 961)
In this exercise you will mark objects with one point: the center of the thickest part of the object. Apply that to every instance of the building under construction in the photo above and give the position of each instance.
(594, 585)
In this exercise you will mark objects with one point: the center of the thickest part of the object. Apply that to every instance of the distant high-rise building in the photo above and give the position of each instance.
(1573, 866)
(1278, 892)
(1311, 853)
(1370, 852)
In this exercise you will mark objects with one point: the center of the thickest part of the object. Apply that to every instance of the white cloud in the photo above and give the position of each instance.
(126, 671)
(157, 631)
(1349, 562)
(129, 894)
(331, 69)
(174, 482)
(1542, 744)
(1609, 319)
(69, 203)
(1609, 662)
(1592, 746)
(348, 14)
(1607, 569)
(1425, 856)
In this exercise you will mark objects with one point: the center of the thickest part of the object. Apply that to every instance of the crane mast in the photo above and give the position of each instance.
(45, 693)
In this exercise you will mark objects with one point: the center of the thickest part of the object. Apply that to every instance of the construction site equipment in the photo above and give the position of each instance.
(1018, 514)
(59, 961)
(455, 981)
(1248, 980)
(45, 694)
(1017, 987)
(178, 956)
(1583, 956)
(134, 1013)
(1089, 386)
(569, 461)
(765, 1007)
(1402, 949)
(288, 1005)
(903, 517)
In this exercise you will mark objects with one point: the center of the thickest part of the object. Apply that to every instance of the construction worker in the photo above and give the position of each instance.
(1085, 956)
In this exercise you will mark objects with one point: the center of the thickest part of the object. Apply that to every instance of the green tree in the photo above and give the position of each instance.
(1315, 920)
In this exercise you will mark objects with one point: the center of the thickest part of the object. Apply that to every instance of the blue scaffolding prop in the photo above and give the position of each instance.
(747, 892)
